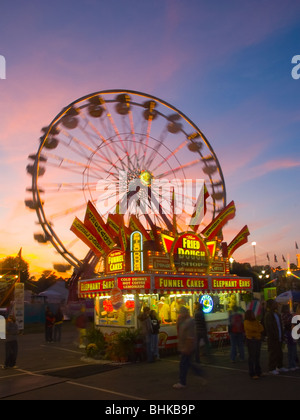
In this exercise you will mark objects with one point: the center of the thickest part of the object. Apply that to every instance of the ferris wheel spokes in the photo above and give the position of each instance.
(102, 135)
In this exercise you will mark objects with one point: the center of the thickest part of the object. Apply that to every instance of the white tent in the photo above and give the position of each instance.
(290, 295)
(56, 293)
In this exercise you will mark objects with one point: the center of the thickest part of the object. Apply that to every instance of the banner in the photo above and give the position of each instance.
(95, 224)
(167, 242)
(240, 239)
(123, 235)
(228, 213)
(113, 221)
(87, 237)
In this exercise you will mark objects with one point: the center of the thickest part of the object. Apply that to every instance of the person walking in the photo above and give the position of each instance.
(201, 330)
(236, 334)
(253, 331)
(186, 346)
(146, 328)
(49, 323)
(59, 318)
(154, 335)
(274, 332)
(11, 344)
(81, 325)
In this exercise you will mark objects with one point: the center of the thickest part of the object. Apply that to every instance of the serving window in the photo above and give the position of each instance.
(115, 315)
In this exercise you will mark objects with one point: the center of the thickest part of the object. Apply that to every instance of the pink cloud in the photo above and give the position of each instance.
(273, 165)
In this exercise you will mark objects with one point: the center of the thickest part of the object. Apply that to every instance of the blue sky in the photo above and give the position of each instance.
(224, 64)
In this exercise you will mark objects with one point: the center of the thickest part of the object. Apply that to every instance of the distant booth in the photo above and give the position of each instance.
(187, 270)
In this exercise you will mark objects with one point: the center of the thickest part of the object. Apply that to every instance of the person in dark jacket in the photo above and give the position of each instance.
(49, 323)
(59, 318)
(154, 336)
(274, 332)
(201, 330)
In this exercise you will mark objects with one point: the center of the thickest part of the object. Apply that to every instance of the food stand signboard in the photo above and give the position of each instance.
(115, 262)
(96, 286)
(189, 254)
(231, 283)
(180, 283)
(134, 282)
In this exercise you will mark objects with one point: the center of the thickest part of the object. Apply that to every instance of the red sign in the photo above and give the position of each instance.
(189, 254)
(96, 286)
(115, 261)
(134, 282)
(231, 283)
(180, 283)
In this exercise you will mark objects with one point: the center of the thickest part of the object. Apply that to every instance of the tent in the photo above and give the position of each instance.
(288, 296)
(56, 293)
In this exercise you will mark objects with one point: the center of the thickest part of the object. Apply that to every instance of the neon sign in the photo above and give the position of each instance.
(189, 254)
(207, 303)
(136, 251)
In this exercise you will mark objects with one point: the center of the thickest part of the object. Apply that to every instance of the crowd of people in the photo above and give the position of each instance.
(275, 326)
(245, 331)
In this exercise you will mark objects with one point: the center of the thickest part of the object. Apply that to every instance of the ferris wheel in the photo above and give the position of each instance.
(116, 148)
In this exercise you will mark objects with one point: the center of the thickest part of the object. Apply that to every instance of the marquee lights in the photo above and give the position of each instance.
(136, 251)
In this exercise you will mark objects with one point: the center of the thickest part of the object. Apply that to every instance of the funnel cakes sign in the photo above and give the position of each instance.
(189, 254)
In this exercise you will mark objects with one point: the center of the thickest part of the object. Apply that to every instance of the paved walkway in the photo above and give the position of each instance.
(58, 372)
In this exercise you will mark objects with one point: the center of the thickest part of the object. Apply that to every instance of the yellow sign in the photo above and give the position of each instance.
(115, 261)
(136, 249)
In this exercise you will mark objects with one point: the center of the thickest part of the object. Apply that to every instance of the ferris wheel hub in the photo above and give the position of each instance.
(146, 178)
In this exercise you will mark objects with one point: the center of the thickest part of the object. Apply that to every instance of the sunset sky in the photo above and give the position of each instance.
(224, 64)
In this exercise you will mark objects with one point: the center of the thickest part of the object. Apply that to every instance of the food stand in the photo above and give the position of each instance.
(184, 268)
(165, 294)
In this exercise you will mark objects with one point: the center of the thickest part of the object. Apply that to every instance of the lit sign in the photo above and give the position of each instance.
(115, 262)
(189, 254)
(134, 282)
(231, 283)
(87, 287)
(207, 303)
(136, 250)
(180, 283)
